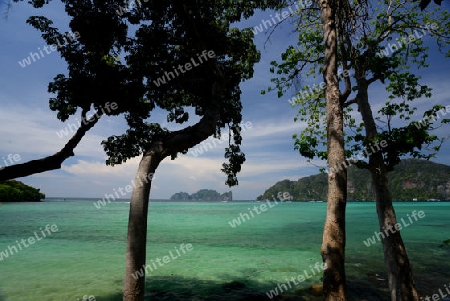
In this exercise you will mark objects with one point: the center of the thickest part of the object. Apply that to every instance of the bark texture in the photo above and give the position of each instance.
(399, 273)
(333, 245)
(134, 288)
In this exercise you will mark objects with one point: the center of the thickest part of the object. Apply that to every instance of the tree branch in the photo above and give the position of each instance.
(350, 102)
(51, 162)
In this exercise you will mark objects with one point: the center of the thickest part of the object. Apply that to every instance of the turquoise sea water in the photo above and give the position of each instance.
(86, 256)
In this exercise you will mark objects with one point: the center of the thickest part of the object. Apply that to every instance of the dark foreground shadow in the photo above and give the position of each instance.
(176, 288)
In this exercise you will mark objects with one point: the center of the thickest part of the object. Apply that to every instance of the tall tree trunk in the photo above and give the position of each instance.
(333, 245)
(398, 269)
(134, 287)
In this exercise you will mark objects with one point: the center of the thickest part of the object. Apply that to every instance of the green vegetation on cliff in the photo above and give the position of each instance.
(411, 179)
(16, 191)
(202, 195)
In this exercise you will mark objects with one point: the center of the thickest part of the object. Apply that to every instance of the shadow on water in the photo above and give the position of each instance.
(174, 288)
(435, 275)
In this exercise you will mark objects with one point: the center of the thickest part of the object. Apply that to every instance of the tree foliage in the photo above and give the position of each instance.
(124, 50)
(383, 43)
(16, 191)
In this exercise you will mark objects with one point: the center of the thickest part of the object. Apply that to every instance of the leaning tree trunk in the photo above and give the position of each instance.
(400, 276)
(134, 287)
(399, 273)
(177, 141)
(333, 245)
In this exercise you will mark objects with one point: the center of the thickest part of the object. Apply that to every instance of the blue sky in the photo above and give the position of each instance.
(29, 128)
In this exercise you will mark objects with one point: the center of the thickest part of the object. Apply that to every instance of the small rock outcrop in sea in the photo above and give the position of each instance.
(203, 195)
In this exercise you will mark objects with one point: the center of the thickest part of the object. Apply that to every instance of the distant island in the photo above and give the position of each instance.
(412, 180)
(16, 191)
(206, 195)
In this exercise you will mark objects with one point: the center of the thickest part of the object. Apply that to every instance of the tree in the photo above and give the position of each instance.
(333, 242)
(366, 56)
(211, 88)
(54, 161)
(90, 70)
(183, 58)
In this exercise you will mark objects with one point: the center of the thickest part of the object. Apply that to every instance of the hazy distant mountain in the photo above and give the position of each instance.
(411, 179)
(202, 195)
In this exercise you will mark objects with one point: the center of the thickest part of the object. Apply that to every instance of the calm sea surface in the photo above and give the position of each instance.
(86, 256)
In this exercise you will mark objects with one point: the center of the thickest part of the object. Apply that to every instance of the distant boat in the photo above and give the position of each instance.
(414, 199)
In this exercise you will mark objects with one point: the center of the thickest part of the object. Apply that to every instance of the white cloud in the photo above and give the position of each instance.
(98, 169)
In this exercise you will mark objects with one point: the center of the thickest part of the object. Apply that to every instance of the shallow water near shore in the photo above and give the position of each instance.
(86, 256)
